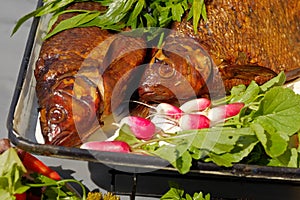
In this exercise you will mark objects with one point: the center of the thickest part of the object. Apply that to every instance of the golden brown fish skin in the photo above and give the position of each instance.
(70, 103)
(67, 51)
(251, 33)
(122, 70)
(74, 84)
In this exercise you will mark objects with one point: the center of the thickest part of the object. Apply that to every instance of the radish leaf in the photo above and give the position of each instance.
(279, 111)
(126, 135)
(241, 150)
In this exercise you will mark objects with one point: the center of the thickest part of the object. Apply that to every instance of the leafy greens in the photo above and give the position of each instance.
(175, 192)
(120, 14)
(265, 131)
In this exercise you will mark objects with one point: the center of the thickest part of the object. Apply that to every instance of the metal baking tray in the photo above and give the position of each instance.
(23, 118)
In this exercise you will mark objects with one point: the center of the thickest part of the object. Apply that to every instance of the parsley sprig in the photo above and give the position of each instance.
(120, 14)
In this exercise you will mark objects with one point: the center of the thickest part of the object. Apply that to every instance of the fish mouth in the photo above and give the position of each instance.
(155, 93)
(159, 95)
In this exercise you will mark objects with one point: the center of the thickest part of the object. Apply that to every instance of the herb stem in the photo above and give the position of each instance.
(183, 134)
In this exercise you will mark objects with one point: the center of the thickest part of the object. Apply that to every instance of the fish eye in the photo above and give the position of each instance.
(57, 115)
(165, 71)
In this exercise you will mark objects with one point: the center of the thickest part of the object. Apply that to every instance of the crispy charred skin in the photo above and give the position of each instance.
(243, 34)
(177, 72)
(74, 84)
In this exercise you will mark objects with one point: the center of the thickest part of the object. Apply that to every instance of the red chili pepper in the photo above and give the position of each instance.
(32, 163)
(22, 196)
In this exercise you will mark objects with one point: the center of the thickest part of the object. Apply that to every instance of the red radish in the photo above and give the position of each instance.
(111, 146)
(222, 112)
(166, 124)
(166, 117)
(33, 164)
(193, 121)
(169, 110)
(195, 105)
(142, 128)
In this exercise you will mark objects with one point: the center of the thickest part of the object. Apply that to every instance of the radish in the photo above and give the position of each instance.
(111, 146)
(195, 105)
(166, 117)
(142, 128)
(169, 110)
(219, 113)
(193, 121)
(166, 124)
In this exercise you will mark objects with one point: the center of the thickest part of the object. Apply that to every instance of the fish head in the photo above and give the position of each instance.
(178, 71)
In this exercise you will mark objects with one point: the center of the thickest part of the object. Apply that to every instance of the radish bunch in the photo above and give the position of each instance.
(194, 114)
(166, 118)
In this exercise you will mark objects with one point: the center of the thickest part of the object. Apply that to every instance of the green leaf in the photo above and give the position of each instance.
(8, 159)
(11, 171)
(57, 189)
(5, 195)
(116, 11)
(238, 94)
(238, 91)
(21, 188)
(203, 12)
(197, 6)
(243, 148)
(121, 13)
(47, 8)
(279, 80)
(177, 12)
(151, 22)
(126, 135)
(288, 159)
(75, 21)
(183, 163)
(54, 17)
(4, 182)
(177, 193)
(188, 197)
(53, 6)
(219, 140)
(275, 144)
(173, 194)
(279, 111)
(177, 152)
(206, 141)
(294, 158)
(132, 21)
(200, 196)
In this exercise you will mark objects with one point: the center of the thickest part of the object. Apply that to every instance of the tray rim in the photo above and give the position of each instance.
(285, 174)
